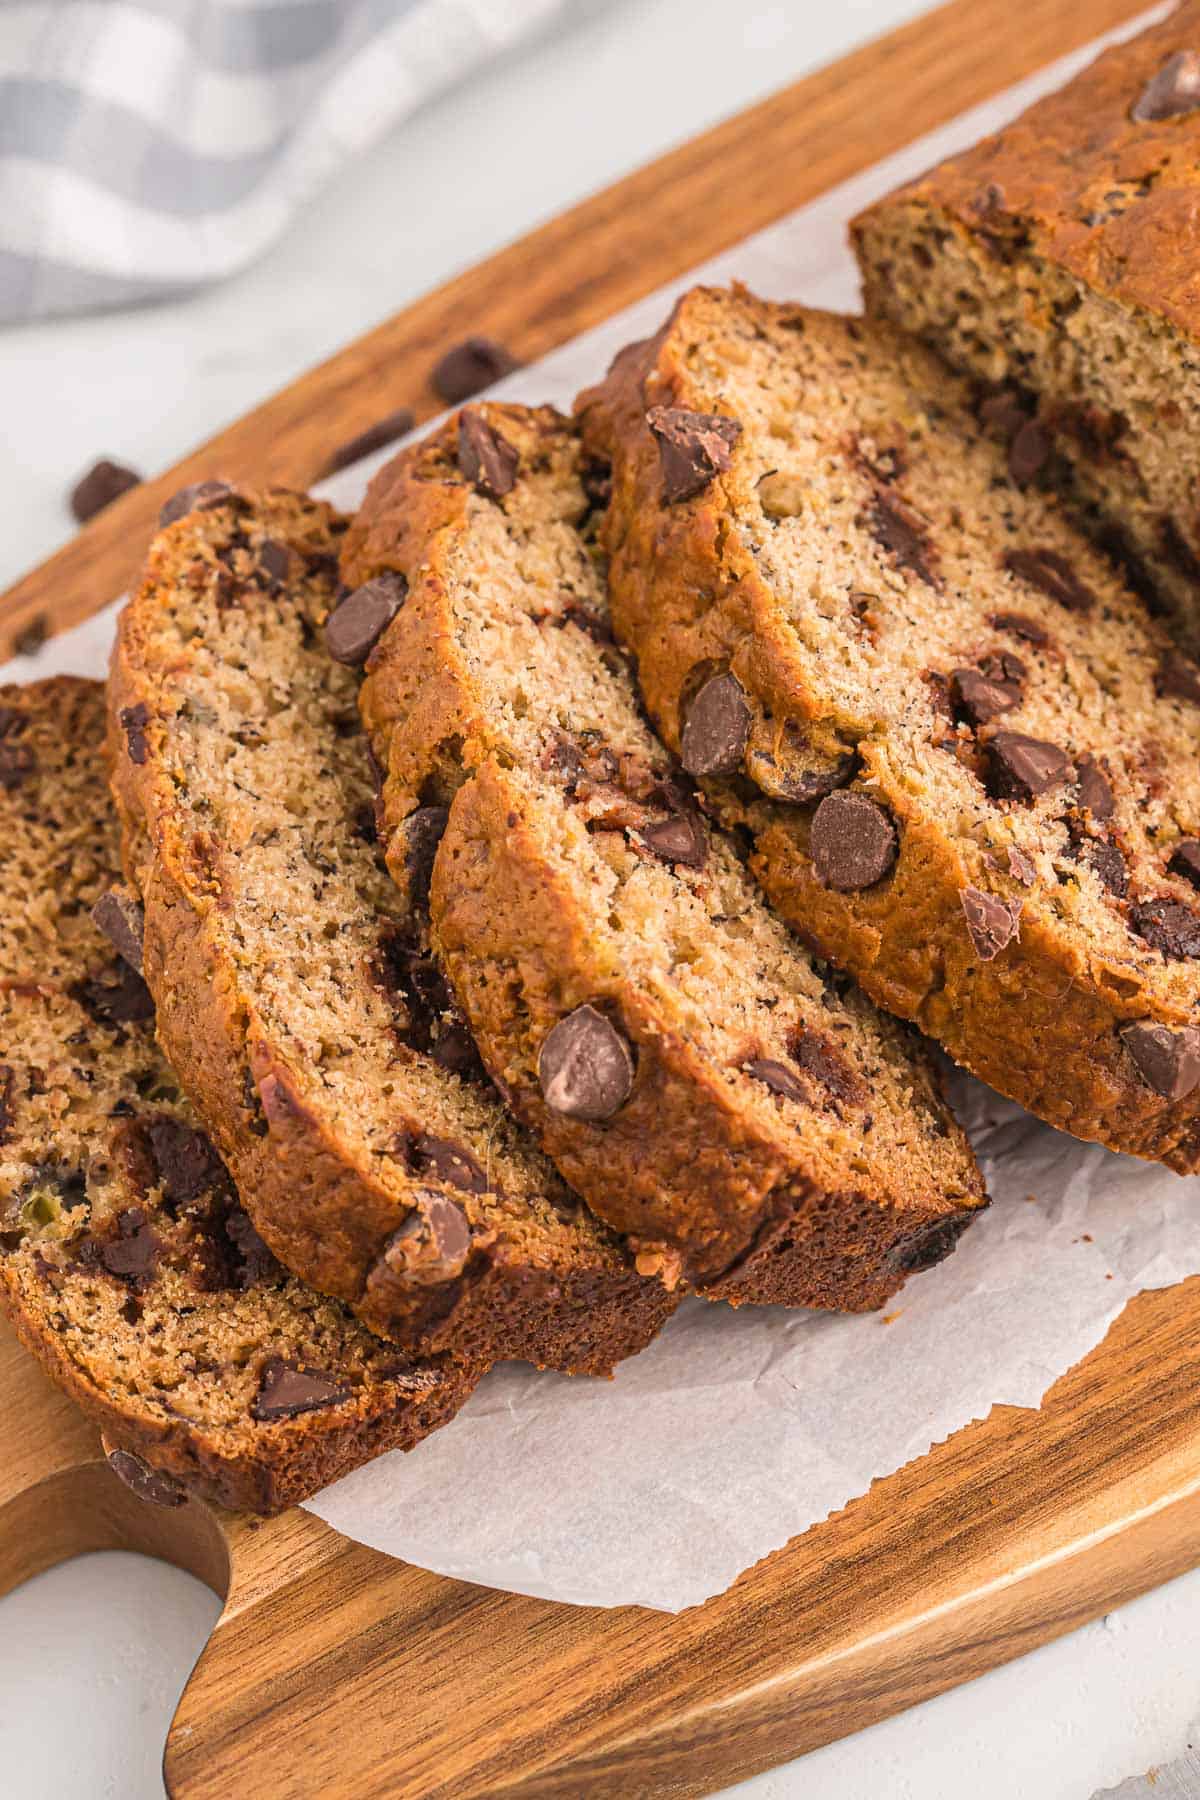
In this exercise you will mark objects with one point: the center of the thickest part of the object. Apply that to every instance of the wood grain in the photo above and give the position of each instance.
(587, 264)
(336, 1672)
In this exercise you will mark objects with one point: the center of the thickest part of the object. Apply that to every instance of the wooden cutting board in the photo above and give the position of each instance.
(336, 1672)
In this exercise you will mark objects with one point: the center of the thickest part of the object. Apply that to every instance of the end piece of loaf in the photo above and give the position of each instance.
(746, 1123)
(127, 1264)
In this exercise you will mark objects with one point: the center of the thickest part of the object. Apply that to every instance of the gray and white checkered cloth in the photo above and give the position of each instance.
(152, 146)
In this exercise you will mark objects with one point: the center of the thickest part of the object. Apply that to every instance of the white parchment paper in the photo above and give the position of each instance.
(737, 1430)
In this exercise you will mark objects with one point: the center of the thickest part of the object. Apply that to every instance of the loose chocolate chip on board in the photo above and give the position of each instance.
(286, 1390)
(680, 840)
(1093, 787)
(134, 720)
(1167, 1060)
(487, 459)
(1173, 90)
(376, 437)
(201, 496)
(1168, 927)
(357, 623)
(777, 1077)
(853, 842)
(469, 367)
(1021, 768)
(104, 482)
(717, 728)
(148, 1484)
(904, 533)
(992, 923)
(585, 1066)
(1185, 860)
(693, 449)
(1028, 451)
(120, 917)
(1053, 576)
(1178, 679)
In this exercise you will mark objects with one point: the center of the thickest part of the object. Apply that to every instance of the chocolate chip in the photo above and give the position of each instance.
(925, 1248)
(1053, 576)
(119, 916)
(585, 1066)
(786, 765)
(1020, 626)
(1020, 768)
(1094, 790)
(904, 533)
(985, 693)
(152, 1485)
(853, 842)
(17, 760)
(1178, 678)
(286, 1390)
(201, 496)
(8, 1087)
(1168, 1061)
(992, 923)
(433, 1243)
(133, 721)
(114, 996)
(29, 640)
(417, 839)
(469, 367)
(818, 1058)
(681, 839)
(1004, 411)
(133, 1254)
(424, 1154)
(486, 458)
(1167, 927)
(778, 1077)
(274, 559)
(1185, 860)
(253, 1263)
(103, 483)
(596, 480)
(1028, 452)
(384, 431)
(1020, 867)
(1106, 860)
(693, 449)
(184, 1159)
(717, 728)
(358, 621)
(1174, 90)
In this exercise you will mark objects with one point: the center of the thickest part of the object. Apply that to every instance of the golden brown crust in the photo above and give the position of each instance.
(326, 1215)
(1041, 1022)
(685, 1169)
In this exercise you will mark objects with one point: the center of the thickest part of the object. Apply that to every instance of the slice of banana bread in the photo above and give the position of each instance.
(312, 1035)
(966, 753)
(1056, 261)
(750, 1127)
(127, 1264)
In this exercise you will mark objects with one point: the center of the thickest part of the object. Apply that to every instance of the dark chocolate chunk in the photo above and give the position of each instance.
(853, 842)
(1052, 575)
(253, 1263)
(904, 533)
(274, 559)
(442, 1159)
(184, 1159)
(1020, 867)
(201, 496)
(717, 728)
(925, 1248)
(994, 688)
(384, 431)
(1168, 927)
(585, 1066)
(433, 1243)
(104, 482)
(152, 1485)
(693, 449)
(1178, 678)
(1005, 411)
(681, 839)
(1094, 790)
(114, 996)
(417, 839)
(1174, 90)
(1106, 859)
(120, 917)
(1020, 767)
(359, 620)
(1167, 1060)
(286, 1390)
(1028, 451)
(1020, 626)
(596, 480)
(133, 1253)
(134, 720)
(470, 367)
(486, 458)
(1185, 860)
(992, 923)
(778, 1077)
(818, 1058)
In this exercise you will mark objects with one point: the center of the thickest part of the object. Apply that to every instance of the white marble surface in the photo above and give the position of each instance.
(92, 1655)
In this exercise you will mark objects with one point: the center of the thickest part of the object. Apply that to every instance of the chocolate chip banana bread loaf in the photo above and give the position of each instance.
(966, 753)
(751, 1127)
(1056, 262)
(127, 1264)
(314, 1038)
